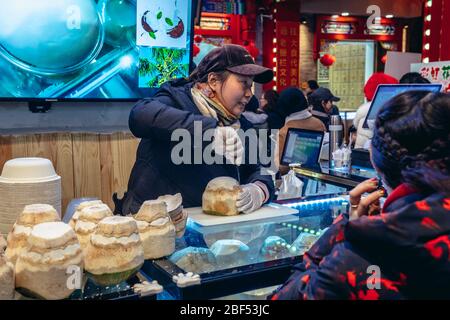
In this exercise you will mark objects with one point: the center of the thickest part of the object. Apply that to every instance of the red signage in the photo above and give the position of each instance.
(288, 54)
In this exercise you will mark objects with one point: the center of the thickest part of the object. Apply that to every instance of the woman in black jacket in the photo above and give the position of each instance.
(404, 251)
(213, 98)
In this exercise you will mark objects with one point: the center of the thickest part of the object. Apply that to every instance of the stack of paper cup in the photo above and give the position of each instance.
(27, 181)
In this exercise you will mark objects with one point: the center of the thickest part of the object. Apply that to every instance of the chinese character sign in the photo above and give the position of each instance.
(436, 72)
(288, 54)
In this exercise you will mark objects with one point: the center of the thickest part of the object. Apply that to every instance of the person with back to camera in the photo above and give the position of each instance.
(408, 240)
(363, 134)
(322, 105)
(294, 105)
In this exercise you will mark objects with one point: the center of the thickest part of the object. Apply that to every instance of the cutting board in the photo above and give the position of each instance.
(267, 211)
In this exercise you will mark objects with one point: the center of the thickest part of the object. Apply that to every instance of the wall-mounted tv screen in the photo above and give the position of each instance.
(93, 49)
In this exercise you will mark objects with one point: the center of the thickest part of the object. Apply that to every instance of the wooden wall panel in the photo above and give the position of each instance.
(63, 163)
(5, 150)
(106, 169)
(86, 165)
(90, 165)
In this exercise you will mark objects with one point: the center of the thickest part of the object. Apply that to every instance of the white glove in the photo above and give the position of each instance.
(228, 144)
(250, 198)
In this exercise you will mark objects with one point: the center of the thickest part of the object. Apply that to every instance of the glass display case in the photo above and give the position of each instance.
(239, 257)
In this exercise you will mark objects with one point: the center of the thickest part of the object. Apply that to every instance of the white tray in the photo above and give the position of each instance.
(268, 211)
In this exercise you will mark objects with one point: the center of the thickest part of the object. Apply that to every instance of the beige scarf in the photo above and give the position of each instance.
(212, 109)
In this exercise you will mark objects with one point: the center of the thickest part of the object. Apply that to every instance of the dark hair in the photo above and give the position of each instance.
(197, 76)
(272, 97)
(411, 142)
(252, 105)
(312, 84)
(291, 100)
(413, 77)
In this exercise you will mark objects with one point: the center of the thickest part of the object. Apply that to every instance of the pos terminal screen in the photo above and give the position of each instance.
(302, 146)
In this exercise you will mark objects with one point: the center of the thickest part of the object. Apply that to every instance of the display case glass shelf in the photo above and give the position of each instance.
(238, 257)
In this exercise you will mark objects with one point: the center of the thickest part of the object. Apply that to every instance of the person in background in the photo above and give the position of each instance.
(268, 103)
(408, 240)
(253, 114)
(352, 136)
(413, 77)
(294, 105)
(322, 105)
(312, 86)
(363, 134)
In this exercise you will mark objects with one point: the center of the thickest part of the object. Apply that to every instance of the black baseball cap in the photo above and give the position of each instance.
(233, 58)
(324, 94)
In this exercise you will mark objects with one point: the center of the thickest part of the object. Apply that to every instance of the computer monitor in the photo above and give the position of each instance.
(387, 91)
(302, 146)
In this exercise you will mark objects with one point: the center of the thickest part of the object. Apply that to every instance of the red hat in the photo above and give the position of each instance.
(375, 80)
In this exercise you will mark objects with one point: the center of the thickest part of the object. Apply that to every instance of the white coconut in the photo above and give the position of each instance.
(31, 215)
(87, 221)
(115, 251)
(42, 270)
(81, 206)
(156, 229)
(220, 195)
(196, 260)
(230, 253)
(6, 278)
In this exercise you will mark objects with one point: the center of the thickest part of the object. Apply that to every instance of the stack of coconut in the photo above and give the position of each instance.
(42, 252)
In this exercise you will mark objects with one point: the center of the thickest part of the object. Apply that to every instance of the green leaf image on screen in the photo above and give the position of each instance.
(162, 65)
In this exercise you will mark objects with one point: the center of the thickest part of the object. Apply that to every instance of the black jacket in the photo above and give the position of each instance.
(409, 243)
(319, 112)
(154, 174)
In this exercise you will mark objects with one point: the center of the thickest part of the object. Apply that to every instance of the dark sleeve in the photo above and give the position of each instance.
(315, 267)
(157, 117)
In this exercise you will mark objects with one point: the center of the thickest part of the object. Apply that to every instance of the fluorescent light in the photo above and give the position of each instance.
(428, 18)
(426, 60)
(429, 3)
(335, 16)
(427, 46)
(345, 14)
(428, 32)
(389, 16)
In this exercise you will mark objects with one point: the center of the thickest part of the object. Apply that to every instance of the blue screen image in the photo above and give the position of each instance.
(387, 92)
(92, 49)
(303, 148)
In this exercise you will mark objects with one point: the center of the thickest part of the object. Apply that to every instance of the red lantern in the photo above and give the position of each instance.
(384, 59)
(198, 39)
(196, 50)
(327, 60)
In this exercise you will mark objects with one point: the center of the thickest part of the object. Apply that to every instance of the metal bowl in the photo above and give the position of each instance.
(50, 37)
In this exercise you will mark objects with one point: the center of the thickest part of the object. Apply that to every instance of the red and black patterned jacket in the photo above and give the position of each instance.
(407, 245)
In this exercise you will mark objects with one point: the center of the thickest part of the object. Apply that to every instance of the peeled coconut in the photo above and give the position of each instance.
(81, 206)
(43, 270)
(230, 253)
(196, 260)
(32, 215)
(220, 195)
(115, 252)
(175, 210)
(87, 221)
(6, 278)
(156, 229)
